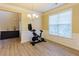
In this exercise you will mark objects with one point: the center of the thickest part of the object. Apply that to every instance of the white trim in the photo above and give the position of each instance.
(67, 10)
(72, 43)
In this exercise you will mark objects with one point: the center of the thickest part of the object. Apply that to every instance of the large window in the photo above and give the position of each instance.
(61, 24)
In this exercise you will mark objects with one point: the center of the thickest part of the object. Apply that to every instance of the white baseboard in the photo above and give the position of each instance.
(72, 43)
(24, 41)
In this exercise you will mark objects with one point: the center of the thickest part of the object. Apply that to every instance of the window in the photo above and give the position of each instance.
(61, 24)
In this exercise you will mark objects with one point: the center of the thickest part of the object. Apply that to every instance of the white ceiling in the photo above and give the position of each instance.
(40, 7)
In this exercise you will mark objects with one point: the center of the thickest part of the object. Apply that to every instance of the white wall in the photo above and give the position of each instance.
(26, 35)
(36, 24)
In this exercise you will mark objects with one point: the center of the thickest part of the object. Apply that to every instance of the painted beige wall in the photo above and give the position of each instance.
(24, 21)
(22, 14)
(74, 41)
(9, 21)
(75, 21)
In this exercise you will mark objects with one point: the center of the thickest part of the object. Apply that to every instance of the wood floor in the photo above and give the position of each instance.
(13, 47)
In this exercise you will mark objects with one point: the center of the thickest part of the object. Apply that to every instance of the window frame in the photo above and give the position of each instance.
(59, 25)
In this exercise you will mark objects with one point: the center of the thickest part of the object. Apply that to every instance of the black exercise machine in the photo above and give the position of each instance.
(36, 38)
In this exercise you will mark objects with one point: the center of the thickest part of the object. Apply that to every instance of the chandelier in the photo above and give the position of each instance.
(32, 15)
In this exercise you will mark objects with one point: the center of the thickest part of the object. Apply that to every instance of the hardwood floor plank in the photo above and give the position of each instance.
(13, 47)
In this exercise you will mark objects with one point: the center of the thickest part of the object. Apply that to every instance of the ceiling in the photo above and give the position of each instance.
(39, 7)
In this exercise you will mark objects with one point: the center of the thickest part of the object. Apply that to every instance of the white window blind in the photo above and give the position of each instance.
(61, 24)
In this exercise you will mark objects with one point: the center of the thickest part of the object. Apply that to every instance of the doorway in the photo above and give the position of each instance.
(9, 25)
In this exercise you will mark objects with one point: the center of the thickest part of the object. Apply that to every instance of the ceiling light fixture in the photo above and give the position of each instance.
(32, 15)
